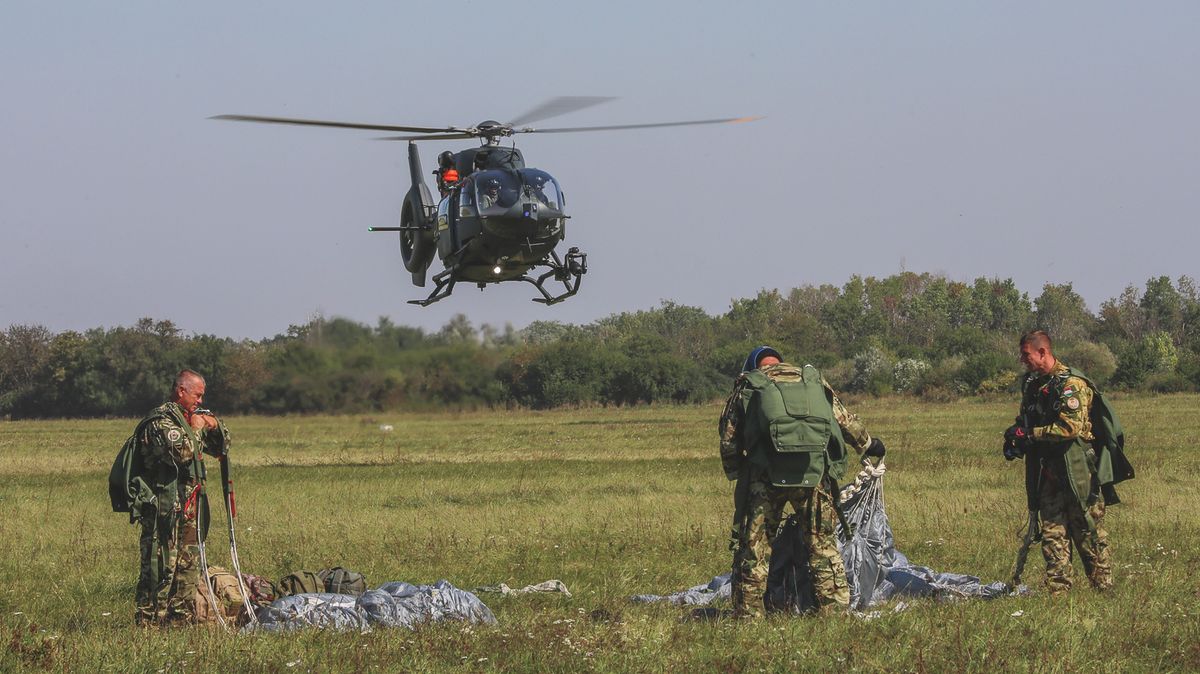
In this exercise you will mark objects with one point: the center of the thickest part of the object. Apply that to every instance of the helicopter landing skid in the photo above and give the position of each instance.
(443, 285)
(570, 273)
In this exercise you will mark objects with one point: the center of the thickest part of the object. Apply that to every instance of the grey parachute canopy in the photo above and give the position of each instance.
(395, 604)
(875, 569)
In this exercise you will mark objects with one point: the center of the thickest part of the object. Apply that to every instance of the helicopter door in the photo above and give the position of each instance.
(445, 230)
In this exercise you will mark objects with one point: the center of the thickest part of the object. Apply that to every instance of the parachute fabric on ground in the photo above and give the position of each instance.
(395, 604)
(876, 571)
(323, 610)
(871, 549)
(699, 595)
(549, 586)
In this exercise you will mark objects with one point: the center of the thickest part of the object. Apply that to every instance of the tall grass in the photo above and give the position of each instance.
(613, 502)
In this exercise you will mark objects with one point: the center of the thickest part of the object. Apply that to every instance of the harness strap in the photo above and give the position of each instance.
(192, 501)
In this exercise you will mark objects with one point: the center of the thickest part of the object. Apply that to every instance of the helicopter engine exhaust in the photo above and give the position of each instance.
(417, 241)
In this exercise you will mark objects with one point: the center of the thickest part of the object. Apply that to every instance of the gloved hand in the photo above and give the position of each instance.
(875, 449)
(1020, 436)
(1011, 451)
(1016, 440)
(732, 466)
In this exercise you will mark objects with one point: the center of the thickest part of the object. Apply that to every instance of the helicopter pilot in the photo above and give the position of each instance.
(489, 195)
(538, 186)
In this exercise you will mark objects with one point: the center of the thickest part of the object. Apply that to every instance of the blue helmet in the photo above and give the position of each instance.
(756, 355)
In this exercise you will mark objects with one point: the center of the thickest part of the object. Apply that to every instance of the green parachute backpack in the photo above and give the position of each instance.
(1111, 465)
(793, 421)
(126, 488)
(300, 582)
(343, 581)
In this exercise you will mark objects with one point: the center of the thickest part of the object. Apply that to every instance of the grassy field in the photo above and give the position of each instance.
(613, 502)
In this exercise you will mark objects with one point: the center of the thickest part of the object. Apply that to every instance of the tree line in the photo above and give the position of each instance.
(913, 334)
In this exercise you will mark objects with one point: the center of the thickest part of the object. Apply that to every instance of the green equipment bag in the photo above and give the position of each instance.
(118, 476)
(127, 491)
(795, 419)
(1110, 464)
(343, 581)
(300, 582)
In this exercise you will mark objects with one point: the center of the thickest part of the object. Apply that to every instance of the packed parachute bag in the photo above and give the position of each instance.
(395, 604)
(221, 602)
(343, 581)
(301, 582)
(875, 570)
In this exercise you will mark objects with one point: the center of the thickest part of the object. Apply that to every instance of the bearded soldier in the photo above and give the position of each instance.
(783, 439)
(166, 479)
(1069, 472)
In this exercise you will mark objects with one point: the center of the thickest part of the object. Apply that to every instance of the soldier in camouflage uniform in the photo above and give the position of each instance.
(169, 460)
(1054, 431)
(771, 476)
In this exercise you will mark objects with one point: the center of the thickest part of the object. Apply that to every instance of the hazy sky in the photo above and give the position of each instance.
(1047, 142)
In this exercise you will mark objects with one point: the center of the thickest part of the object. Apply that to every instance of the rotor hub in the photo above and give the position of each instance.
(491, 131)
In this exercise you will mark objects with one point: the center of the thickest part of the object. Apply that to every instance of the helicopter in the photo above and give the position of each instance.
(496, 219)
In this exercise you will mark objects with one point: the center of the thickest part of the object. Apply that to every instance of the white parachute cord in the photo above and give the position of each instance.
(867, 480)
(251, 616)
(227, 489)
(208, 591)
(198, 493)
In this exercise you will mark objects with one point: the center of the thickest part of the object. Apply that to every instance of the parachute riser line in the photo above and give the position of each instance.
(231, 513)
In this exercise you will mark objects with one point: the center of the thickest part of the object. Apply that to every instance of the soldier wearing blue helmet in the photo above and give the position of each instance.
(783, 439)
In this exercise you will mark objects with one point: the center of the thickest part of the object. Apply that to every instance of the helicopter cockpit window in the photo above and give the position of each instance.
(542, 186)
(496, 191)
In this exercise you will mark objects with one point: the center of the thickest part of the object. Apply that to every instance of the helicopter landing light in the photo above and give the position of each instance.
(496, 270)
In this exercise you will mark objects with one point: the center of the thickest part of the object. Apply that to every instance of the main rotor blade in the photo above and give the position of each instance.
(339, 125)
(439, 136)
(618, 127)
(560, 106)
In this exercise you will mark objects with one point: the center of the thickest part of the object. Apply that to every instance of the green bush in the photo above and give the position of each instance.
(941, 383)
(986, 366)
(908, 374)
(873, 371)
(1169, 382)
(1095, 360)
(1154, 354)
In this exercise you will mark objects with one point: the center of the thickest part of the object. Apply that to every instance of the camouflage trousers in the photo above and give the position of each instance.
(169, 574)
(755, 531)
(1064, 524)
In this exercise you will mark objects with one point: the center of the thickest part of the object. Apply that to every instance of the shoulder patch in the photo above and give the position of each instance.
(1073, 403)
(1068, 391)
(174, 435)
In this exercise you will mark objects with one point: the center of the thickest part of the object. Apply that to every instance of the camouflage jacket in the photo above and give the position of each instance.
(1056, 407)
(732, 422)
(169, 451)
